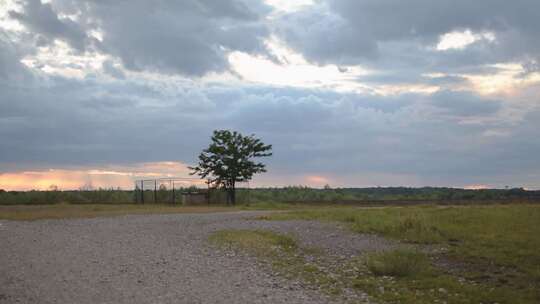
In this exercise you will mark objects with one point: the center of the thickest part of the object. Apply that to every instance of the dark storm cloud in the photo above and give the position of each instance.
(464, 103)
(185, 37)
(449, 137)
(394, 34)
(9, 60)
(43, 20)
(12, 71)
(349, 136)
(88, 122)
(109, 68)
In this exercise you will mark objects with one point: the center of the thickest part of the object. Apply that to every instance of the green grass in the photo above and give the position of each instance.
(62, 211)
(270, 206)
(67, 210)
(282, 253)
(397, 263)
(397, 276)
(495, 250)
(260, 242)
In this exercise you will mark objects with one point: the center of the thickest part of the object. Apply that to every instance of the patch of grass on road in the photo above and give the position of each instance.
(260, 242)
(398, 276)
(62, 211)
(282, 253)
(489, 253)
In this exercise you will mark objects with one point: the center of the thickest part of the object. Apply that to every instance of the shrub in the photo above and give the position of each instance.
(416, 228)
(397, 263)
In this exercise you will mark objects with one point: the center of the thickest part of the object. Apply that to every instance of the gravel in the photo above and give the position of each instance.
(154, 259)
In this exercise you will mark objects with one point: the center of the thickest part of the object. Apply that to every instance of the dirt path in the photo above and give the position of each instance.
(152, 259)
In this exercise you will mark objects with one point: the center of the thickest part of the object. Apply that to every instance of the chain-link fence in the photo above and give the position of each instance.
(186, 191)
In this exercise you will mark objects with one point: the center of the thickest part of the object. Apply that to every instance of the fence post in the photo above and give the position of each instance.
(248, 194)
(155, 191)
(173, 196)
(136, 192)
(208, 192)
(142, 192)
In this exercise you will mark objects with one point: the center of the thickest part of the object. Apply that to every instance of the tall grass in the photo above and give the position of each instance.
(503, 235)
(497, 247)
(397, 263)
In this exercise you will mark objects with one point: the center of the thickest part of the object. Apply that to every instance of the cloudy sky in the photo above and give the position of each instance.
(349, 92)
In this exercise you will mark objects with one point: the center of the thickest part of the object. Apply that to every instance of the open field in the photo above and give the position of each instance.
(476, 254)
(306, 254)
(67, 211)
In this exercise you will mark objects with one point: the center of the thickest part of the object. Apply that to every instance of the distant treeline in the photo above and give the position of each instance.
(35, 197)
(306, 194)
(287, 194)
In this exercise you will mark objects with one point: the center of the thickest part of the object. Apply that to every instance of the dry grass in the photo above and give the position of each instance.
(62, 211)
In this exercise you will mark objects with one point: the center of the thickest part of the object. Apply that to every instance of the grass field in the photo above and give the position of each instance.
(488, 254)
(61, 211)
(66, 210)
(477, 254)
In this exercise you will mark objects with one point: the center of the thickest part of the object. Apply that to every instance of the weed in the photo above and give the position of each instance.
(260, 242)
(397, 263)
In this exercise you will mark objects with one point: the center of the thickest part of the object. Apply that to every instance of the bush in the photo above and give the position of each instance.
(416, 228)
(397, 263)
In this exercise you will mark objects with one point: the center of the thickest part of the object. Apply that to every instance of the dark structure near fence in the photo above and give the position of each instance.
(185, 191)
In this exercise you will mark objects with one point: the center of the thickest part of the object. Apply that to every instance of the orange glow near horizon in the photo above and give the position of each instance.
(317, 180)
(476, 187)
(102, 177)
(124, 176)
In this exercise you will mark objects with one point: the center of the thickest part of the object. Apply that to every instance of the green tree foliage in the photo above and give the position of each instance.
(230, 159)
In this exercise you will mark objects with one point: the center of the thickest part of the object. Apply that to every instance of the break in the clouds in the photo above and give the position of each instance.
(355, 93)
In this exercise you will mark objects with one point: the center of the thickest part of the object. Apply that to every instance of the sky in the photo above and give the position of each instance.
(349, 92)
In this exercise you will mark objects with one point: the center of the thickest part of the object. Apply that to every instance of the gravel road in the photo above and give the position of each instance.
(153, 259)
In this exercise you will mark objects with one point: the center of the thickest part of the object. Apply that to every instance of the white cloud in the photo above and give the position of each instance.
(460, 40)
(264, 71)
(288, 5)
(294, 71)
(7, 23)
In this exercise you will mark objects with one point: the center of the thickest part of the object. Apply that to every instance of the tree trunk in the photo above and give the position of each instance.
(231, 194)
(228, 192)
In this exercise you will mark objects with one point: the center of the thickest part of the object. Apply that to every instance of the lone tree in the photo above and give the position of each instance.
(229, 159)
